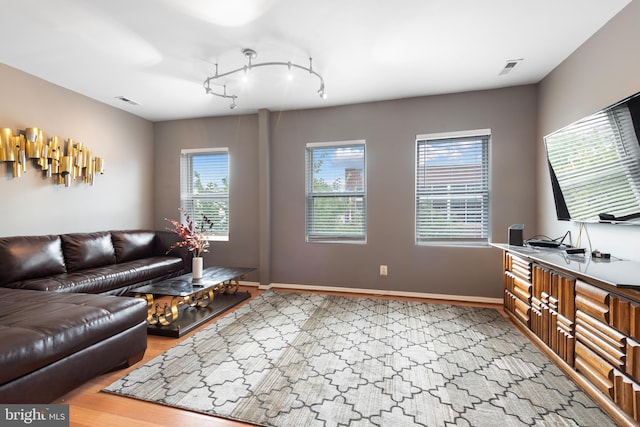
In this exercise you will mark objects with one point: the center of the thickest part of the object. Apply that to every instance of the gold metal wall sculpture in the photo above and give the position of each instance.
(65, 161)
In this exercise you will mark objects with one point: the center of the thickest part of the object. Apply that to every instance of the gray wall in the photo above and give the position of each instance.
(604, 70)
(119, 199)
(389, 129)
(240, 135)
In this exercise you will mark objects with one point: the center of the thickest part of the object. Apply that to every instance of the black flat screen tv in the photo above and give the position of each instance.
(594, 165)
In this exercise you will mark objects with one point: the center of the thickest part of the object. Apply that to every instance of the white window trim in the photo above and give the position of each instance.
(204, 150)
(211, 150)
(447, 135)
(335, 144)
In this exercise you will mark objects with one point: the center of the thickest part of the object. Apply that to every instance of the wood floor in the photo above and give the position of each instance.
(90, 407)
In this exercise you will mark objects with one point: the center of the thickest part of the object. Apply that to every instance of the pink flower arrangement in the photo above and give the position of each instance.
(192, 238)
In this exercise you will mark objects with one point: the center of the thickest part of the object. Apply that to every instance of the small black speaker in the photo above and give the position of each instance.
(516, 235)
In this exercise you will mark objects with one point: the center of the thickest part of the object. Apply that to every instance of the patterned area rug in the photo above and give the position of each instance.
(298, 359)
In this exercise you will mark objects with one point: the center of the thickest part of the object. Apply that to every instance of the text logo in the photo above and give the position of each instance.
(52, 415)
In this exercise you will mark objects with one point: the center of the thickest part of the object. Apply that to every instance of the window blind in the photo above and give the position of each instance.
(204, 190)
(336, 192)
(597, 166)
(452, 189)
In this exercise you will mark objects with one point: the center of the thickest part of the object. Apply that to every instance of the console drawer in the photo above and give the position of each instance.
(626, 393)
(517, 307)
(602, 339)
(520, 267)
(594, 368)
(633, 359)
(517, 286)
(593, 301)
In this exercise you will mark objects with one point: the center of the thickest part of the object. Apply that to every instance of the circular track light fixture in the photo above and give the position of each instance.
(251, 54)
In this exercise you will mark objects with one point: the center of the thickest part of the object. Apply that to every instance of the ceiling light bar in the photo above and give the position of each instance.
(251, 54)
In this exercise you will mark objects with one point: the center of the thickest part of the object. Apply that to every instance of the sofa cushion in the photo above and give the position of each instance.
(112, 279)
(27, 257)
(39, 328)
(87, 250)
(132, 245)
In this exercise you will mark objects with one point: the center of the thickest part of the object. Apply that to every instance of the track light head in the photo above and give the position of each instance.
(249, 53)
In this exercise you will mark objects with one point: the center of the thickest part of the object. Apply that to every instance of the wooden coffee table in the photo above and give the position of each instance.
(180, 304)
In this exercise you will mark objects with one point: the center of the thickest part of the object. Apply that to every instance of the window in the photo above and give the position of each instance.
(204, 189)
(336, 192)
(452, 188)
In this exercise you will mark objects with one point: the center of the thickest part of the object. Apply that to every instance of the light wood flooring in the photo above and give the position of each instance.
(92, 408)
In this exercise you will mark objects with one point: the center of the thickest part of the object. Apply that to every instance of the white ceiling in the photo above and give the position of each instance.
(159, 52)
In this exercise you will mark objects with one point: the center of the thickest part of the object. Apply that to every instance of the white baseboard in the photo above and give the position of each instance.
(462, 298)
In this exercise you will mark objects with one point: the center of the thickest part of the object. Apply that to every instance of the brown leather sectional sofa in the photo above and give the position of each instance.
(63, 316)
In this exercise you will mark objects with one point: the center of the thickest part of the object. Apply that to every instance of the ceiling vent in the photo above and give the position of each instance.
(127, 100)
(511, 64)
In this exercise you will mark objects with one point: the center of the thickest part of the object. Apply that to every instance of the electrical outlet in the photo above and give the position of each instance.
(383, 270)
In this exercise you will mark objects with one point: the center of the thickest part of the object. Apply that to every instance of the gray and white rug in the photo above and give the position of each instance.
(299, 359)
